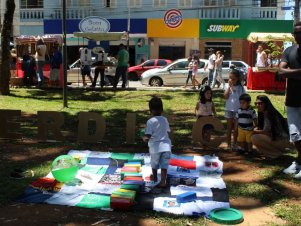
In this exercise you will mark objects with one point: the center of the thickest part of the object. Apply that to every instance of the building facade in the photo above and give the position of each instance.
(166, 28)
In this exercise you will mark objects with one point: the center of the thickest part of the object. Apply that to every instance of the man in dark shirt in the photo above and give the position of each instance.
(290, 68)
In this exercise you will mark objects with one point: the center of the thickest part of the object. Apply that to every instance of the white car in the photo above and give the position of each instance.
(174, 74)
(242, 66)
(74, 76)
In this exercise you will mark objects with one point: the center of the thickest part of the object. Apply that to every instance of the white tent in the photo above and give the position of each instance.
(265, 37)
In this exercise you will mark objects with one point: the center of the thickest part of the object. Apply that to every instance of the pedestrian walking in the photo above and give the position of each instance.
(210, 65)
(217, 75)
(122, 66)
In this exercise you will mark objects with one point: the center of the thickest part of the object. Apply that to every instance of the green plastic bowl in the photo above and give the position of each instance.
(228, 216)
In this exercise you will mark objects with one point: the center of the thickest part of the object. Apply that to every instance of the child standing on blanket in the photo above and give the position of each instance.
(205, 107)
(233, 91)
(156, 134)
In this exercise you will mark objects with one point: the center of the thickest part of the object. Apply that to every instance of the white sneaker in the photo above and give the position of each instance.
(298, 175)
(292, 169)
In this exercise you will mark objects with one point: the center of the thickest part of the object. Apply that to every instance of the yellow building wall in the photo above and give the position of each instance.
(189, 28)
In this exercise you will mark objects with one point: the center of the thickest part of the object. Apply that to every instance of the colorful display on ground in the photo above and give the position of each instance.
(122, 181)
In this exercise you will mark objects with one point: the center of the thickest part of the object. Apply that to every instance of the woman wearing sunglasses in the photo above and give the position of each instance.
(271, 137)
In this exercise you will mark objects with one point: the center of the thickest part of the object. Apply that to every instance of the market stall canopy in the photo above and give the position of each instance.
(265, 37)
(25, 39)
(108, 36)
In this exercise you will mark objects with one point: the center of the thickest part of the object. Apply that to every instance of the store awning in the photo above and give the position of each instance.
(108, 36)
(25, 39)
(265, 37)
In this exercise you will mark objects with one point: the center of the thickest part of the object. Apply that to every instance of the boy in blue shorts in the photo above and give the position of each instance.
(156, 134)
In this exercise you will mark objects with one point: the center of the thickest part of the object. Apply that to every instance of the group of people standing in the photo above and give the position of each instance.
(32, 65)
(214, 65)
(102, 59)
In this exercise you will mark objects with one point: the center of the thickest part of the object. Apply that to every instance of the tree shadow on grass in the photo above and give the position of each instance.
(72, 95)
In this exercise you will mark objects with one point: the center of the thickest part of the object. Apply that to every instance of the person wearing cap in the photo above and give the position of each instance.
(122, 66)
(210, 65)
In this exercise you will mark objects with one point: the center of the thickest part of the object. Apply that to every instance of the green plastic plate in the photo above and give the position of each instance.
(226, 216)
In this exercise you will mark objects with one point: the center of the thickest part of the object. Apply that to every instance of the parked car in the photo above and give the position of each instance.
(74, 76)
(134, 73)
(240, 65)
(172, 74)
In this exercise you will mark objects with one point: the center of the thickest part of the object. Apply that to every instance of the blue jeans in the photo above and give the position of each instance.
(217, 76)
(40, 71)
(210, 76)
(294, 123)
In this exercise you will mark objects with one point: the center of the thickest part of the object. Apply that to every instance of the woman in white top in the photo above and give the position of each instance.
(40, 59)
(218, 70)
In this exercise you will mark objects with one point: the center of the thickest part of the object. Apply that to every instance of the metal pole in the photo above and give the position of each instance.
(129, 28)
(64, 56)
(297, 11)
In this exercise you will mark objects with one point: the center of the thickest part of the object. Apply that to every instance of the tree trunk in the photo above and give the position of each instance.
(5, 41)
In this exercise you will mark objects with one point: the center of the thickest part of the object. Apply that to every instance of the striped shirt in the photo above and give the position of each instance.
(245, 118)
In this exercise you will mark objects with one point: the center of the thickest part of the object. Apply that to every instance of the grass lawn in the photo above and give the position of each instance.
(114, 106)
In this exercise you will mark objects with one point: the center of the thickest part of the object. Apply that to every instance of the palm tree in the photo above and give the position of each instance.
(5, 40)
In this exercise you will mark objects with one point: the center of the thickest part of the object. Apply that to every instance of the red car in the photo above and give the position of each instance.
(134, 73)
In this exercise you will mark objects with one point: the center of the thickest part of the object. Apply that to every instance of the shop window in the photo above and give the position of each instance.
(68, 3)
(229, 2)
(224, 47)
(84, 2)
(171, 52)
(159, 3)
(184, 3)
(110, 3)
(210, 2)
(134, 3)
(268, 3)
(28, 4)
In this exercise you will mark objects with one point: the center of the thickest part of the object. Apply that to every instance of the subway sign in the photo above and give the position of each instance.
(222, 28)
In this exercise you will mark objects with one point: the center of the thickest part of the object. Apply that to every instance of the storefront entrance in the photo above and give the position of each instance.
(224, 47)
(171, 52)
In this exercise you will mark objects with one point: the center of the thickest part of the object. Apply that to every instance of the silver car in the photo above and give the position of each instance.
(242, 66)
(174, 74)
(74, 76)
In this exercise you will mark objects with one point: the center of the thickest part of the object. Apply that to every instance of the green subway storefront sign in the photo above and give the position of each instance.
(242, 28)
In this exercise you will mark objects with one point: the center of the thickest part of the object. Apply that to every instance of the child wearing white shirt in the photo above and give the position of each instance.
(156, 134)
(232, 93)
